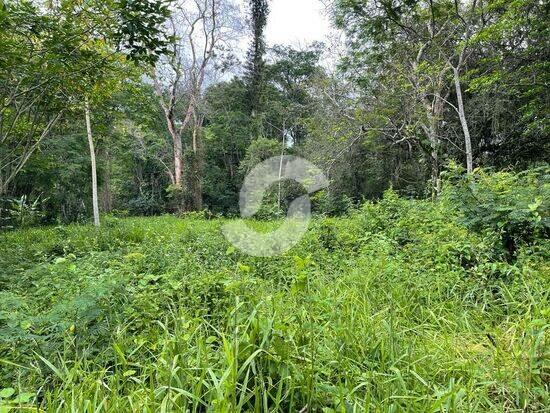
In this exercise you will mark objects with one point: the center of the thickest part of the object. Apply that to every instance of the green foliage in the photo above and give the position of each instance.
(328, 203)
(139, 29)
(176, 195)
(255, 67)
(401, 306)
(260, 149)
(144, 206)
(516, 73)
(20, 213)
(513, 205)
(387, 117)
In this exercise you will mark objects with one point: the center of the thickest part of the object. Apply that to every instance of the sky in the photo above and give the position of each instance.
(293, 22)
(296, 22)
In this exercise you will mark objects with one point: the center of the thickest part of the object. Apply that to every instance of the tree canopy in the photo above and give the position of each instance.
(175, 114)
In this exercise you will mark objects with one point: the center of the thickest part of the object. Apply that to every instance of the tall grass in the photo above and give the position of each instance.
(399, 307)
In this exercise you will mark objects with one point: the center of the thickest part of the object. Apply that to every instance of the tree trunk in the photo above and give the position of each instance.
(178, 160)
(177, 144)
(433, 108)
(281, 169)
(95, 203)
(178, 151)
(463, 121)
(431, 131)
(2, 190)
(434, 144)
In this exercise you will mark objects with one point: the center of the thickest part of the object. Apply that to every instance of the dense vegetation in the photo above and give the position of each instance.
(422, 284)
(177, 116)
(403, 305)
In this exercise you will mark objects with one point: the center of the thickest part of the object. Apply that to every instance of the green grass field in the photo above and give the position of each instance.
(398, 307)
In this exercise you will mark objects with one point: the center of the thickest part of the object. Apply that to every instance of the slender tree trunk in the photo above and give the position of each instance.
(434, 144)
(178, 160)
(194, 140)
(463, 121)
(95, 202)
(431, 131)
(281, 169)
(231, 168)
(2, 191)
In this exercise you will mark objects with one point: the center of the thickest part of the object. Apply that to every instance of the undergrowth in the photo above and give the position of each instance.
(403, 305)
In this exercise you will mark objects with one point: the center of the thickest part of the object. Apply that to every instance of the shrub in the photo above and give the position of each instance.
(144, 206)
(20, 212)
(404, 305)
(514, 205)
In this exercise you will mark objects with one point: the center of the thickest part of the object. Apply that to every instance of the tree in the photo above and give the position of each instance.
(230, 128)
(255, 67)
(509, 83)
(289, 78)
(416, 49)
(55, 56)
(95, 201)
(30, 84)
(466, 21)
(197, 28)
(228, 132)
(102, 74)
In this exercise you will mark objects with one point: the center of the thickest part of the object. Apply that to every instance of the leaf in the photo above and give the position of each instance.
(25, 325)
(129, 373)
(24, 397)
(534, 206)
(11, 363)
(243, 268)
(7, 392)
(51, 366)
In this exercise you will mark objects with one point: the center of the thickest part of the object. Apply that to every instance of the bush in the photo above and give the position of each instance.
(330, 204)
(516, 206)
(404, 305)
(144, 206)
(20, 212)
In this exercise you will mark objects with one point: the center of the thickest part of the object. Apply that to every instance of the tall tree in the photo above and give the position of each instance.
(56, 54)
(95, 201)
(31, 102)
(508, 80)
(198, 29)
(394, 49)
(255, 67)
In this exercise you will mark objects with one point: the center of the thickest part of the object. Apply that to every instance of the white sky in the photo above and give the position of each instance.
(292, 22)
(296, 22)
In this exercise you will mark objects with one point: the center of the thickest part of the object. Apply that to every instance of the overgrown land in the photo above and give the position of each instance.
(402, 305)
(422, 283)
